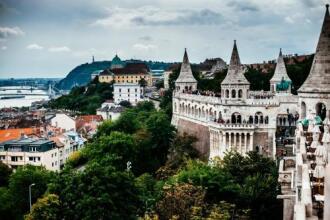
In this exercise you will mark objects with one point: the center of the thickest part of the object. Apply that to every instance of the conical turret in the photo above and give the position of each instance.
(280, 75)
(235, 73)
(318, 80)
(186, 75)
(186, 82)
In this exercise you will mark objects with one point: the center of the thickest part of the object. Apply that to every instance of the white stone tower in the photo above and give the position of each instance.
(280, 81)
(314, 94)
(186, 82)
(235, 86)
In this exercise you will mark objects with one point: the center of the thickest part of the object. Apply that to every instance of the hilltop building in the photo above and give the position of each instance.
(240, 119)
(121, 72)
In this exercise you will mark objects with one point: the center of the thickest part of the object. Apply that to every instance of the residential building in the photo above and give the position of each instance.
(110, 111)
(130, 92)
(63, 121)
(33, 151)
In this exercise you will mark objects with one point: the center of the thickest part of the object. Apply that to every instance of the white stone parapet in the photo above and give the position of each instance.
(231, 126)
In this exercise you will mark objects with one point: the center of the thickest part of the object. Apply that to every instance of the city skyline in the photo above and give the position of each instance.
(49, 38)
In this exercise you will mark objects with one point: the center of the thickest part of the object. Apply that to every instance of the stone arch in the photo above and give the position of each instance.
(258, 118)
(251, 119)
(240, 93)
(321, 110)
(236, 118)
(233, 93)
(227, 93)
(303, 110)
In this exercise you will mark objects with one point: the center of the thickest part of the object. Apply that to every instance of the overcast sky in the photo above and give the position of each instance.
(47, 38)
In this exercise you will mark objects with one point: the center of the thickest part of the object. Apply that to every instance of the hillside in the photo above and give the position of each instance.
(81, 74)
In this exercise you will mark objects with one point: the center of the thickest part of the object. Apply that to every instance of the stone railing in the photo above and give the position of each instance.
(200, 98)
(232, 126)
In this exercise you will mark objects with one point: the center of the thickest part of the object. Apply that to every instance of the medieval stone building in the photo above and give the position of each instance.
(239, 118)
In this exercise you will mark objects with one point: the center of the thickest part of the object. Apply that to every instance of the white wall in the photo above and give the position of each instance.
(63, 121)
(128, 91)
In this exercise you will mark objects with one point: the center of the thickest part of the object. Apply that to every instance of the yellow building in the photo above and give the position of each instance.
(119, 72)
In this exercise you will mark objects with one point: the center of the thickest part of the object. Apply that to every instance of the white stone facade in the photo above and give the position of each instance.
(127, 92)
(239, 119)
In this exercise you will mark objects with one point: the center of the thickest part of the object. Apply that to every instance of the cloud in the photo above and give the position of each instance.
(7, 32)
(34, 47)
(59, 49)
(4, 48)
(153, 16)
(145, 38)
(144, 47)
(243, 6)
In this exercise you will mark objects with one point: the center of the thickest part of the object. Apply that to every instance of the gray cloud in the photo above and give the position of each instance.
(243, 6)
(145, 38)
(202, 17)
(7, 32)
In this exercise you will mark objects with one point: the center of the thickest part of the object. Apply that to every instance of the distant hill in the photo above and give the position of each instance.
(81, 74)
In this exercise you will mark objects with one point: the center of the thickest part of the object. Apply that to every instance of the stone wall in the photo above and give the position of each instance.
(200, 131)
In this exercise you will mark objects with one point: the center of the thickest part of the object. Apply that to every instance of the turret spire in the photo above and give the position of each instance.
(235, 73)
(185, 71)
(318, 80)
(280, 70)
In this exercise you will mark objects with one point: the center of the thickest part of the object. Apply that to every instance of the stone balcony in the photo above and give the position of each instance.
(232, 126)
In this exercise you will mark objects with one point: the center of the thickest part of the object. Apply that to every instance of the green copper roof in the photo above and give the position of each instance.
(117, 63)
(283, 85)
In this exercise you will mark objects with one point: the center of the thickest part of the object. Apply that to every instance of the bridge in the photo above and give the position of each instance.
(51, 92)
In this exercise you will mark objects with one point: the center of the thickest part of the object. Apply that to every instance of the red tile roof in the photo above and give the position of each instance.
(13, 134)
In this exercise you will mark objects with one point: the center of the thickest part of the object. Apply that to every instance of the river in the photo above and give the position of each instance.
(26, 101)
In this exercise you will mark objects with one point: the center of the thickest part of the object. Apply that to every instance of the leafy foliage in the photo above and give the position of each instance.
(85, 99)
(5, 172)
(46, 208)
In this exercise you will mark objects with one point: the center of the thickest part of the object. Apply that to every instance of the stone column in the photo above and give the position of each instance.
(224, 140)
(229, 144)
(251, 141)
(245, 143)
(219, 143)
(327, 193)
(235, 142)
(240, 143)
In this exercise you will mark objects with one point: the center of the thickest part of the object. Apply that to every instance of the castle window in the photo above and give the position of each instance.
(233, 93)
(240, 93)
(227, 93)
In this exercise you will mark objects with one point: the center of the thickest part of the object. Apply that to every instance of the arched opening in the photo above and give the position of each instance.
(266, 120)
(233, 93)
(236, 118)
(303, 110)
(240, 93)
(227, 93)
(258, 118)
(321, 110)
(251, 119)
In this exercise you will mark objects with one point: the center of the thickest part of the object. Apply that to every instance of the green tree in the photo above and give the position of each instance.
(5, 172)
(178, 200)
(46, 208)
(98, 192)
(19, 186)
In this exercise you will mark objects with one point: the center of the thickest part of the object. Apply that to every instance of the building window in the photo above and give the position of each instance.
(127, 90)
(16, 158)
(32, 149)
(2, 157)
(136, 90)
